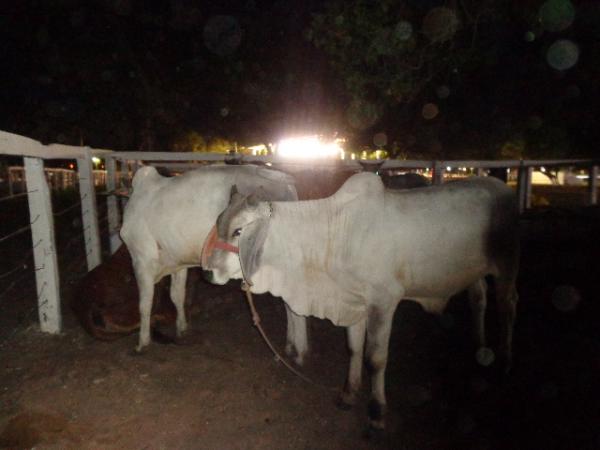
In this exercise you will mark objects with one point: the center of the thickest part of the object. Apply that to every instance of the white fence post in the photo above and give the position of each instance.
(114, 216)
(524, 187)
(89, 212)
(593, 185)
(44, 246)
(438, 173)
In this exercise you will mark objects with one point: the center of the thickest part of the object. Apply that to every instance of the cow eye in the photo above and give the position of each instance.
(236, 232)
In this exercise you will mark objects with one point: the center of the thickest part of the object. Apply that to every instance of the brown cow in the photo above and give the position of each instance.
(105, 299)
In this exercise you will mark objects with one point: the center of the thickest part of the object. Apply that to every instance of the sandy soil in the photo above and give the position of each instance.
(223, 389)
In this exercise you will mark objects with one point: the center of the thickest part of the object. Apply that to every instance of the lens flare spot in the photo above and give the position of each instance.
(403, 30)
(362, 114)
(529, 36)
(430, 111)
(485, 356)
(222, 35)
(566, 298)
(440, 24)
(556, 15)
(442, 91)
(563, 54)
(380, 139)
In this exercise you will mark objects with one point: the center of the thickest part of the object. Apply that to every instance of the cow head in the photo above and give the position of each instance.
(234, 246)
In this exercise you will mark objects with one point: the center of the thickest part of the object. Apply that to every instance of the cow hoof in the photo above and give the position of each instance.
(184, 340)
(345, 401)
(290, 349)
(137, 352)
(374, 435)
(140, 349)
(376, 415)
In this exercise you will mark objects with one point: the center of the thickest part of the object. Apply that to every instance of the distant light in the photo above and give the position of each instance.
(309, 147)
(268, 164)
(448, 168)
(260, 149)
(543, 169)
(95, 160)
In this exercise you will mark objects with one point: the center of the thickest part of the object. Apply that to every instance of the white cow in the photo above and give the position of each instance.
(352, 257)
(166, 221)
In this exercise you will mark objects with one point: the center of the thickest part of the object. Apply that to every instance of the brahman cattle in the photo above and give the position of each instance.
(352, 257)
(167, 219)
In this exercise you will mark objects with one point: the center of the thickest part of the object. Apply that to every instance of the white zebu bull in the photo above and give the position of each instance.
(352, 257)
(166, 221)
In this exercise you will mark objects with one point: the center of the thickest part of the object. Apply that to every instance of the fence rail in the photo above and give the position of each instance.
(120, 167)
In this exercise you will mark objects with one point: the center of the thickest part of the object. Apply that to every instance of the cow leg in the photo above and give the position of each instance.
(145, 282)
(297, 336)
(506, 297)
(178, 280)
(356, 343)
(379, 327)
(478, 300)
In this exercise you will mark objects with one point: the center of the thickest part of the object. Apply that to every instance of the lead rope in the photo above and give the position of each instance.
(256, 320)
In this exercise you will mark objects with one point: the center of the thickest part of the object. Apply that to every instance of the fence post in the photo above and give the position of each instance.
(89, 211)
(11, 191)
(114, 217)
(524, 187)
(44, 246)
(593, 185)
(438, 173)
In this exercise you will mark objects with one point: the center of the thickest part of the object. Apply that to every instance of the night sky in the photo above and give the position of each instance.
(419, 78)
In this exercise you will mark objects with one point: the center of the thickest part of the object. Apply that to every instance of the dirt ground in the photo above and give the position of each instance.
(223, 389)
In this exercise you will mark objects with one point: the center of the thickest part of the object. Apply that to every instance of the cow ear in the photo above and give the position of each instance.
(234, 190)
(253, 200)
(251, 245)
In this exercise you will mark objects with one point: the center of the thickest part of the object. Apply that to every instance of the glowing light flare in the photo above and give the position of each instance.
(308, 147)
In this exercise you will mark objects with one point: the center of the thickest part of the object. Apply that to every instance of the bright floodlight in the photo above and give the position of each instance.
(308, 147)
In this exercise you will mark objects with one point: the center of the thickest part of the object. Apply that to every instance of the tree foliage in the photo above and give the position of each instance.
(462, 78)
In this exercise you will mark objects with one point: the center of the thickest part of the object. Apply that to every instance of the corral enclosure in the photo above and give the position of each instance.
(222, 388)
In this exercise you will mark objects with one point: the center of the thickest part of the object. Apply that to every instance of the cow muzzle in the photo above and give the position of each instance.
(211, 243)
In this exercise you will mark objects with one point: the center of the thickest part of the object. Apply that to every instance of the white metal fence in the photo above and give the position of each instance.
(120, 167)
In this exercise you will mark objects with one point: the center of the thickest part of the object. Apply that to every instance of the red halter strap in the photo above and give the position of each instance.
(212, 242)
